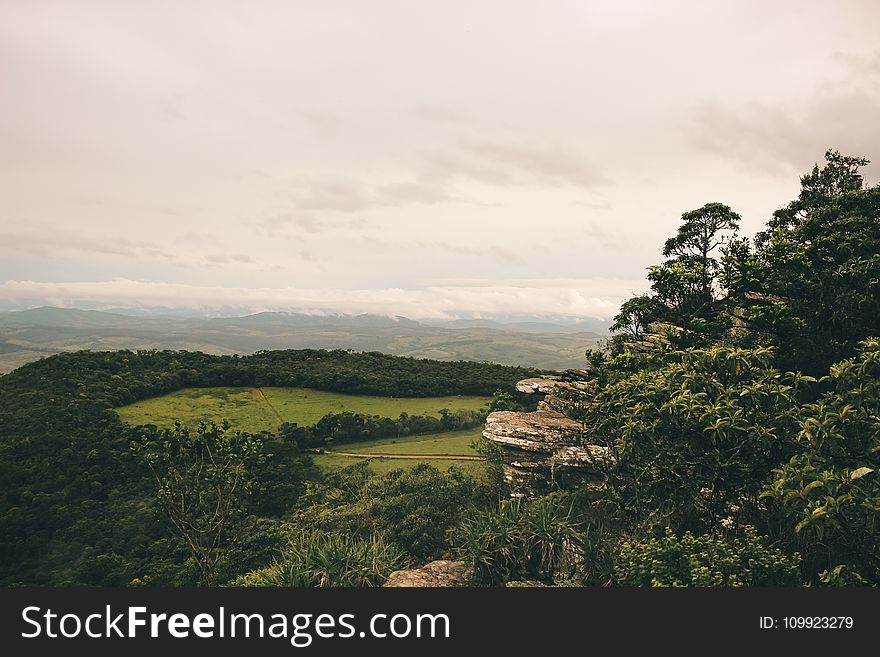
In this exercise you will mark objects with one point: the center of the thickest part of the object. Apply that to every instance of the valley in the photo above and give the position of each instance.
(37, 333)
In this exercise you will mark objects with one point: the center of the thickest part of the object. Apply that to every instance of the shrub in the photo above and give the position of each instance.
(830, 491)
(521, 540)
(314, 558)
(695, 438)
(705, 560)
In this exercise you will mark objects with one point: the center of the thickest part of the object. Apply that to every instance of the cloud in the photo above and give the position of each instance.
(494, 251)
(442, 114)
(328, 138)
(332, 193)
(860, 65)
(347, 195)
(322, 122)
(508, 164)
(610, 238)
(788, 137)
(302, 225)
(412, 192)
(757, 136)
(229, 258)
(45, 242)
(598, 299)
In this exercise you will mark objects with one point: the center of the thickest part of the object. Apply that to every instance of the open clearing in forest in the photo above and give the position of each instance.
(450, 443)
(263, 409)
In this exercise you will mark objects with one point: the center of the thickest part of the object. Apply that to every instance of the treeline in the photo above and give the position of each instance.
(122, 377)
(74, 500)
(356, 427)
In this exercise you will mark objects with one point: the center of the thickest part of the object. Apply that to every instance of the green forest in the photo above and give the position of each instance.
(80, 504)
(739, 400)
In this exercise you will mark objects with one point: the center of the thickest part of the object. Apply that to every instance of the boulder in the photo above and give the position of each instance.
(547, 385)
(432, 575)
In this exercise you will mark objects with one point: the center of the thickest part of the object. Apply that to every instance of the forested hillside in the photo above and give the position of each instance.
(76, 503)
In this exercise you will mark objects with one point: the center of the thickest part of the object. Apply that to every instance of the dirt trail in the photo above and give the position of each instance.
(361, 455)
(262, 396)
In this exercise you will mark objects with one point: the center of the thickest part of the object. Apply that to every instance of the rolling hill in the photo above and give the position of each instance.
(28, 335)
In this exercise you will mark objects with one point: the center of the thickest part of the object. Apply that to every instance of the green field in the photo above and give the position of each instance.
(307, 406)
(245, 408)
(381, 466)
(255, 409)
(451, 443)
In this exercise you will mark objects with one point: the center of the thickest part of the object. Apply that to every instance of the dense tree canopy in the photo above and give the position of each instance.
(74, 500)
(809, 284)
(759, 410)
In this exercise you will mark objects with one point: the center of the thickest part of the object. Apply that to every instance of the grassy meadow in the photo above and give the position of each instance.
(450, 443)
(306, 406)
(256, 409)
(264, 409)
(245, 408)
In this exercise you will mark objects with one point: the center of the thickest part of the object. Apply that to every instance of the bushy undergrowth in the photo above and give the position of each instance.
(828, 494)
(414, 509)
(521, 540)
(319, 559)
(695, 438)
(705, 560)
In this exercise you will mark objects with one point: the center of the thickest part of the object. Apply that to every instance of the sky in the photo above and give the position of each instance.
(431, 159)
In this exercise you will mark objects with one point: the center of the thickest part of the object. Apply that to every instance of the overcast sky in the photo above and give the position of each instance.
(423, 158)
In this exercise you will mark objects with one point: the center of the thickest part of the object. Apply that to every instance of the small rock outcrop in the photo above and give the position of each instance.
(561, 392)
(435, 574)
(546, 445)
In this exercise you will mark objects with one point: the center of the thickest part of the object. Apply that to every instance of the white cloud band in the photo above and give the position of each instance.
(599, 298)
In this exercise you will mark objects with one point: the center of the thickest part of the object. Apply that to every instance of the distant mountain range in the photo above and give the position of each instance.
(27, 335)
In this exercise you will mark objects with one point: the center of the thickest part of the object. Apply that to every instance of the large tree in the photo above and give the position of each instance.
(839, 175)
(685, 286)
(700, 236)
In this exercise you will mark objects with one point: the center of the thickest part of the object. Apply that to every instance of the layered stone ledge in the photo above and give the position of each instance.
(541, 448)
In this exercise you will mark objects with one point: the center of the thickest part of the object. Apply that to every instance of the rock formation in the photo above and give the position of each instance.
(560, 392)
(657, 337)
(435, 574)
(546, 446)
